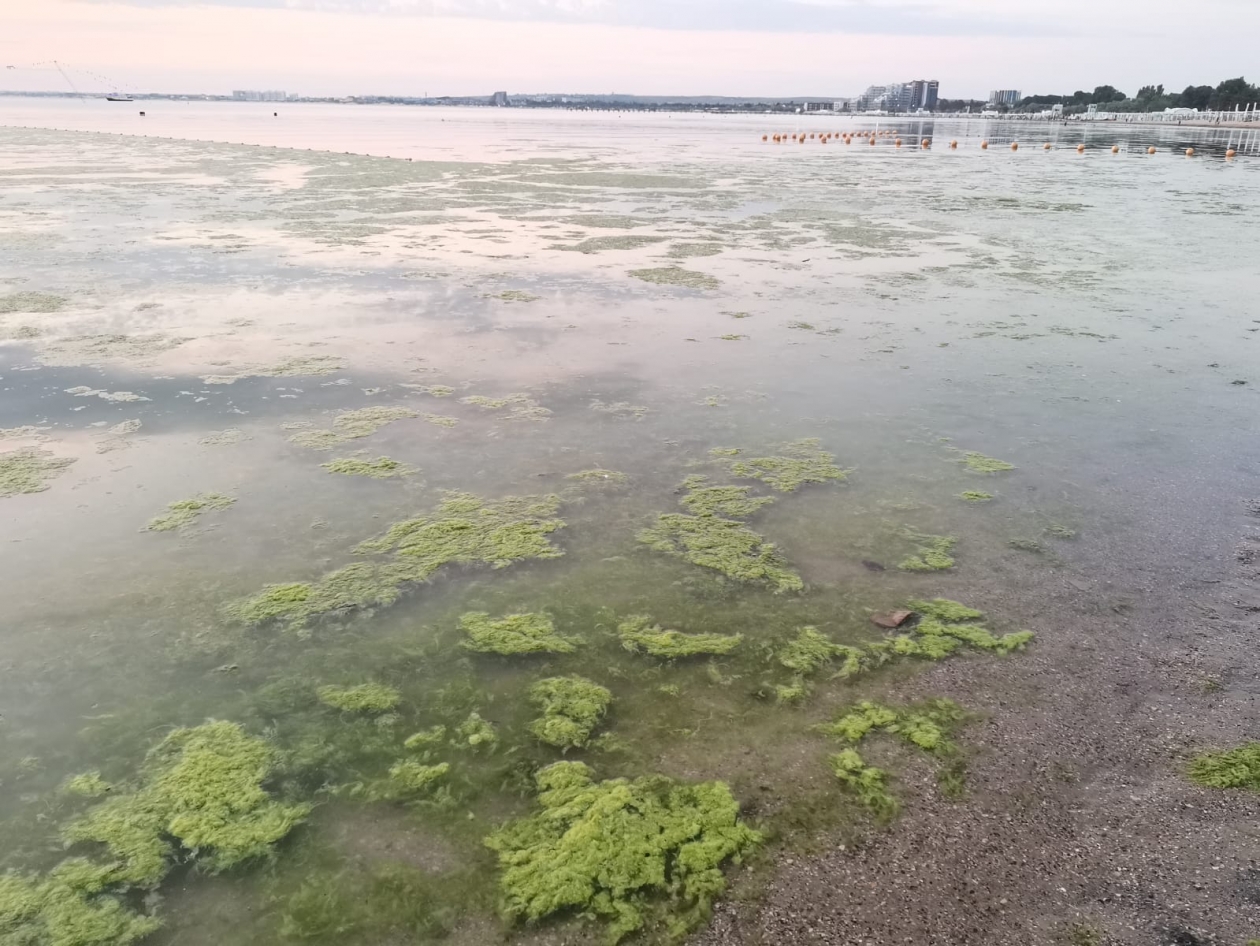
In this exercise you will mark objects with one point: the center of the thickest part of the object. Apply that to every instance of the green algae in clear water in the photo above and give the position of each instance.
(795, 692)
(1060, 532)
(732, 337)
(464, 529)
(476, 733)
(979, 463)
(944, 609)
(202, 798)
(519, 406)
(803, 461)
(599, 477)
(934, 554)
(364, 698)
(640, 636)
(516, 295)
(622, 409)
(29, 471)
(381, 468)
(1234, 768)
(87, 785)
(725, 545)
(426, 738)
(676, 276)
(694, 250)
(352, 425)
(975, 496)
(440, 420)
(732, 501)
(409, 778)
(1029, 545)
(623, 852)
(719, 453)
(811, 650)
(184, 513)
(31, 302)
(52, 912)
(866, 782)
(571, 708)
(514, 634)
(437, 390)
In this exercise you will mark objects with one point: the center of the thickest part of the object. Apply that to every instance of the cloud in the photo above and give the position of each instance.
(889, 17)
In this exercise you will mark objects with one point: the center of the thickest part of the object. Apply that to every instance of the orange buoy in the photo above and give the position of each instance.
(765, 137)
(1189, 152)
(954, 143)
(927, 142)
(813, 135)
(1046, 146)
(1115, 149)
(984, 146)
(1150, 150)
(1230, 153)
(1014, 145)
(802, 139)
(872, 141)
(1080, 149)
(897, 142)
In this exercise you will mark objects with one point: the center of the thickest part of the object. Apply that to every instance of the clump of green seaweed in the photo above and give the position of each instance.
(725, 545)
(381, 468)
(202, 794)
(519, 406)
(803, 461)
(364, 698)
(352, 425)
(571, 708)
(934, 554)
(514, 634)
(64, 910)
(979, 463)
(87, 785)
(811, 650)
(31, 302)
(640, 636)
(464, 530)
(618, 850)
(676, 276)
(927, 727)
(29, 470)
(184, 513)
(475, 732)
(1233, 768)
(975, 496)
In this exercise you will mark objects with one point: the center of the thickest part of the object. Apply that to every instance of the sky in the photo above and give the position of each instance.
(650, 47)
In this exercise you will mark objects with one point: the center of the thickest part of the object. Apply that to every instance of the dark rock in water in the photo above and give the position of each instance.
(1238, 382)
(891, 619)
(872, 566)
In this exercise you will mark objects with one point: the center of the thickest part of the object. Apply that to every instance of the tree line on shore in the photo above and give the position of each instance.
(1225, 97)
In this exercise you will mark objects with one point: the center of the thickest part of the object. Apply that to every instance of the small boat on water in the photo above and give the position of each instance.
(119, 98)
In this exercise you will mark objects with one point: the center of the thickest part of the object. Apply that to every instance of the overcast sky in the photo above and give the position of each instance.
(730, 47)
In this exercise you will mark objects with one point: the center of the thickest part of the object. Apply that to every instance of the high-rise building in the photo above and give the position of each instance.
(1008, 97)
(913, 96)
(500, 99)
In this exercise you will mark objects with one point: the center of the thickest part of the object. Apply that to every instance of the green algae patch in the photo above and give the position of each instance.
(56, 912)
(426, 738)
(514, 634)
(640, 636)
(516, 295)
(725, 545)
(602, 243)
(1234, 768)
(927, 726)
(946, 624)
(944, 609)
(719, 453)
(518, 406)
(87, 785)
(31, 302)
(437, 390)
(201, 798)
(623, 409)
(476, 733)
(29, 471)
(409, 778)
(464, 530)
(803, 461)
(979, 463)
(676, 276)
(440, 420)
(934, 554)
(599, 477)
(694, 250)
(352, 425)
(733, 501)
(571, 708)
(382, 468)
(302, 367)
(627, 853)
(364, 698)
(975, 496)
(184, 513)
(811, 650)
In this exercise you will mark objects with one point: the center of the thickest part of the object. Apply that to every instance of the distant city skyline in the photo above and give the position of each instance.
(779, 48)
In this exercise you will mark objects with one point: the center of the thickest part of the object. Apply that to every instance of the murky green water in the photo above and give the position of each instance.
(178, 318)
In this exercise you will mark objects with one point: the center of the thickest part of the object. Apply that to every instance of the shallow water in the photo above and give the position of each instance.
(663, 286)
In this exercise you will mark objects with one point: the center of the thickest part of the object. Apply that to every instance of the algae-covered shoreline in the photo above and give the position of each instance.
(491, 592)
